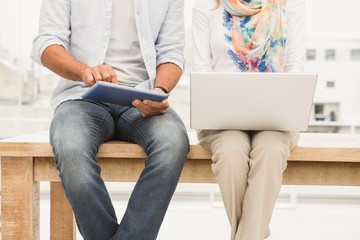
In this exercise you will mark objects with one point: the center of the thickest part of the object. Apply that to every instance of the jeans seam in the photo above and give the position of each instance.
(135, 128)
(102, 125)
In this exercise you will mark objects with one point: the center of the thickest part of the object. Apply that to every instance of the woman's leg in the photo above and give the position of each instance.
(268, 160)
(230, 165)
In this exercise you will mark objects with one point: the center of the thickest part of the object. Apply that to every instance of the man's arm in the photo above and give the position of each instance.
(170, 58)
(167, 76)
(60, 61)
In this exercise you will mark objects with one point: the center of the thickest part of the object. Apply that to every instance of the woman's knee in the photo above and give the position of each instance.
(230, 151)
(269, 154)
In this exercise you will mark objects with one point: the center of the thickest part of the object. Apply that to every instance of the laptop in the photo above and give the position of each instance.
(251, 101)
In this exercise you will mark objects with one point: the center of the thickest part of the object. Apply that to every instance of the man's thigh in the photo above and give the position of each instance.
(132, 127)
(81, 121)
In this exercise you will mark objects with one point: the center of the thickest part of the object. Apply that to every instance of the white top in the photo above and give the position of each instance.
(124, 53)
(210, 50)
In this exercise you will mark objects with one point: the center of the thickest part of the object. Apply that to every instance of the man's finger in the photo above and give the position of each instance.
(88, 78)
(113, 78)
(105, 76)
(157, 105)
(96, 74)
(149, 108)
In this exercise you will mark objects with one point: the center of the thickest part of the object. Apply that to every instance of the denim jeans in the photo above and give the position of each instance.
(78, 129)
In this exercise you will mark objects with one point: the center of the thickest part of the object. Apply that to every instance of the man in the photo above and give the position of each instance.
(138, 43)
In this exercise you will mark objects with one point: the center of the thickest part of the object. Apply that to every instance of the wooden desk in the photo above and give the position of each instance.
(320, 159)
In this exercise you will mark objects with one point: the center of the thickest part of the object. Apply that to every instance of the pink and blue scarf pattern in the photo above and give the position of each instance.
(256, 33)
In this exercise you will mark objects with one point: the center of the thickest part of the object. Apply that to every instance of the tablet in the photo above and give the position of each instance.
(119, 94)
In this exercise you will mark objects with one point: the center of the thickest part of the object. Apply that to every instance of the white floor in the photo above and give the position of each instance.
(196, 213)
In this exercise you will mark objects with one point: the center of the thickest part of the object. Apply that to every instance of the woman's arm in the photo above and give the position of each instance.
(295, 49)
(201, 51)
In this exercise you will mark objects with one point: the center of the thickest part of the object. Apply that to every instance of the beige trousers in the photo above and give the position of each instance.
(248, 167)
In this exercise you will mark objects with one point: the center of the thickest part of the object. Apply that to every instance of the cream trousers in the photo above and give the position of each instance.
(248, 167)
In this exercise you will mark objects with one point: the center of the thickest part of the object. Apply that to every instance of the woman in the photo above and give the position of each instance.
(252, 36)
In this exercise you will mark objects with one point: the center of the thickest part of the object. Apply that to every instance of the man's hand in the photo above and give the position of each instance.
(102, 72)
(148, 108)
(60, 61)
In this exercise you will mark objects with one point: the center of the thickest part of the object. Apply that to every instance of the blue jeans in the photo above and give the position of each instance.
(78, 129)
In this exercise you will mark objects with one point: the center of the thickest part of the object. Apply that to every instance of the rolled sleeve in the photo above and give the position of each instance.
(54, 27)
(171, 39)
(41, 43)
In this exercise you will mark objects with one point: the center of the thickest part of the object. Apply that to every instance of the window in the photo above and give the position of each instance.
(355, 54)
(330, 84)
(319, 108)
(319, 112)
(330, 54)
(310, 54)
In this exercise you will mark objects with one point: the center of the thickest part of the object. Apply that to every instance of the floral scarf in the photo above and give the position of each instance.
(256, 33)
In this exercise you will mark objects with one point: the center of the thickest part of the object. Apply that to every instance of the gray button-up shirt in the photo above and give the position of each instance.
(83, 28)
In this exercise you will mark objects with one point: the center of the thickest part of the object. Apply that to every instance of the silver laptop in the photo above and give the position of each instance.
(251, 101)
